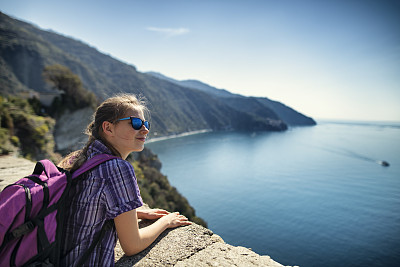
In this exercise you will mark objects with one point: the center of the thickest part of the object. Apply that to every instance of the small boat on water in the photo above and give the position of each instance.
(383, 163)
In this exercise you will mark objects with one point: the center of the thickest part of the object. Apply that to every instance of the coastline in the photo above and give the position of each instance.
(387, 123)
(162, 138)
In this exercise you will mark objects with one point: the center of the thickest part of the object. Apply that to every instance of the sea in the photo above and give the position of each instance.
(309, 196)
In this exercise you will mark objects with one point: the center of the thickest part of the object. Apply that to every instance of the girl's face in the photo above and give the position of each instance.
(126, 139)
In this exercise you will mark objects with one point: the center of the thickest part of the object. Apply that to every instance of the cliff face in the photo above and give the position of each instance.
(69, 130)
(191, 245)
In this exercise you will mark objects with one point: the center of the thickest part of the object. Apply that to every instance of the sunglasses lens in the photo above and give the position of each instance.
(136, 123)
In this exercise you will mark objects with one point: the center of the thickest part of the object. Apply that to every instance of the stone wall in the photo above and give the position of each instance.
(191, 245)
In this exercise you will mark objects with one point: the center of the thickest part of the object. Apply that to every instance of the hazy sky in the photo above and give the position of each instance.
(337, 59)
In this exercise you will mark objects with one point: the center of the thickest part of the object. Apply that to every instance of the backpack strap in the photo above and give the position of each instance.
(87, 166)
(91, 163)
(47, 167)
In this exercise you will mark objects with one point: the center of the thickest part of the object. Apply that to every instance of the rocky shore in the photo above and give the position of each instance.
(191, 245)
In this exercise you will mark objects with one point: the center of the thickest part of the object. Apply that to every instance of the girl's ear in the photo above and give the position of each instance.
(108, 128)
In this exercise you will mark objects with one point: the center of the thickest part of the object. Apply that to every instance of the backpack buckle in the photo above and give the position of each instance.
(22, 229)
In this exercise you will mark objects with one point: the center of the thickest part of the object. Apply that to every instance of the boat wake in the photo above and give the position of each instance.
(352, 154)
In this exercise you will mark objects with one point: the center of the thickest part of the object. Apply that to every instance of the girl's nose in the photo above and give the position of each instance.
(144, 129)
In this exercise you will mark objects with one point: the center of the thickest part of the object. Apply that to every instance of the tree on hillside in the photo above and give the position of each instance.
(75, 95)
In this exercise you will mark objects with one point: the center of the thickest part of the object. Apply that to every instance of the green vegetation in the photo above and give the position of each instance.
(74, 95)
(23, 130)
(155, 188)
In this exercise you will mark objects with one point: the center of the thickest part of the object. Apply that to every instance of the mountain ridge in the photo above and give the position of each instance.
(26, 49)
(287, 114)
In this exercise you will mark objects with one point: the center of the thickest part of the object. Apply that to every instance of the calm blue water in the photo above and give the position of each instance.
(310, 196)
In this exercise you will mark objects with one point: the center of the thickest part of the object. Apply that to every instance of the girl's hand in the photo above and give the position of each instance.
(175, 219)
(151, 214)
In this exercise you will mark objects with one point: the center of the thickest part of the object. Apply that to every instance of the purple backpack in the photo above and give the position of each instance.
(32, 214)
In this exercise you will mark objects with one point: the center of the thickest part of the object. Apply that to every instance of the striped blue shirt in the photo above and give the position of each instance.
(106, 192)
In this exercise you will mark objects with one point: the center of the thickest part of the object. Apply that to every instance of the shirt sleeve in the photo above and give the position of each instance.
(121, 189)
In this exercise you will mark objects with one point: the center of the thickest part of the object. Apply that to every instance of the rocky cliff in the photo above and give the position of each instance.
(191, 245)
(69, 130)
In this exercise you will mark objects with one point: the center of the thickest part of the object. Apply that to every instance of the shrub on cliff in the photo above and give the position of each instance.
(74, 96)
(22, 129)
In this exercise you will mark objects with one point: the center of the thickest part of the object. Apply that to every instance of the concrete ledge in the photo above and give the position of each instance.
(221, 254)
(12, 169)
(192, 245)
(172, 246)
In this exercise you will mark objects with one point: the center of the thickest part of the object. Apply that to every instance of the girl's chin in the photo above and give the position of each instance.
(138, 149)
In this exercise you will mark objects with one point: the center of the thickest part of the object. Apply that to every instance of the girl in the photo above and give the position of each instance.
(110, 191)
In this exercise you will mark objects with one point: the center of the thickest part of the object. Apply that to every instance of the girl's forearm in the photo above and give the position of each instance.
(147, 235)
(133, 240)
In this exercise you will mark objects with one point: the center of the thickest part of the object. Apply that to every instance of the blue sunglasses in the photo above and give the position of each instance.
(137, 123)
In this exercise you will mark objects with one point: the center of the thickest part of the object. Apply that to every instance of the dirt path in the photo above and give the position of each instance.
(13, 169)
